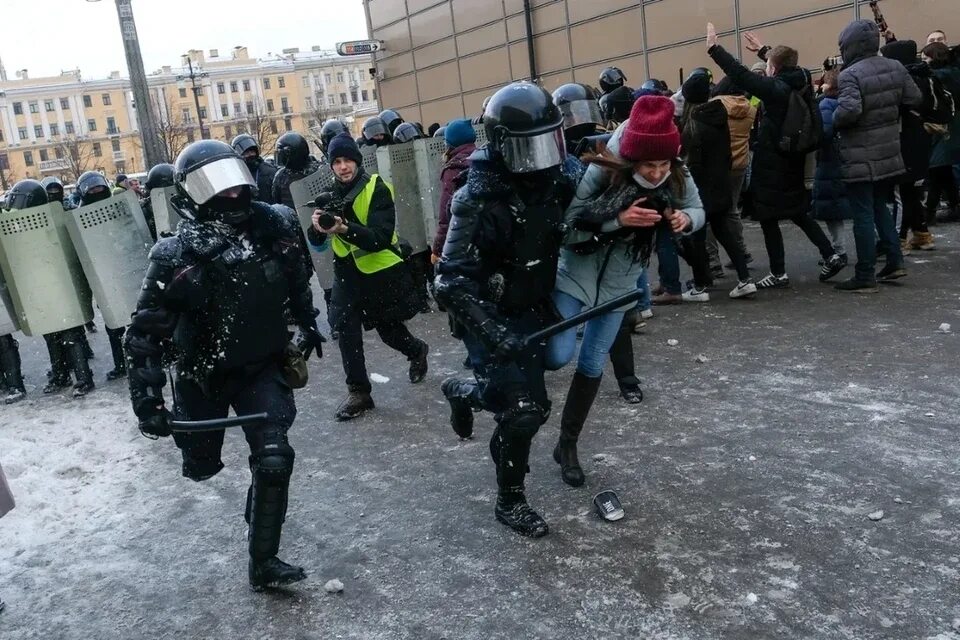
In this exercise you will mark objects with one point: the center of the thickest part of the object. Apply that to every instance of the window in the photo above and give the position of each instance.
(224, 110)
(284, 105)
(112, 125)
(273, 126)
(236, 108)
(185, 112)
(249, 108)
(87, 101)
(28, 158)
(353, 76)
(54, 129)
(106, 99)
(91, 125)
(44, 156)
(221, 89)
(97, 151)
(353, 95)
(203, 112)
(58, 152)
(266, 83)
(34, 107)
(64, 103)
(343, 98)
(364, 95)
(190, 136)
(308, 102)
(327, 78)
(227, 131)
(183, 92)
(362, 75)
(38, 131)
(288, 124)
(306, 81)
(68, 127)
(48, 105)
(270, 105)
(233, 86)
(373, 93)
(339, 76)
(281, 82)
(331, 100)
(115, 144)
(22, 133)
(18, 108)
(246, 85)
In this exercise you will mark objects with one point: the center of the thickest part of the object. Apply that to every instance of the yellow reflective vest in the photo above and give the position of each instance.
(368, 261)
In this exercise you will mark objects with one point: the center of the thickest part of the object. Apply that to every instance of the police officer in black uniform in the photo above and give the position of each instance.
(331, 129)
(392, 119)
(216, 295)
(261, 170)
(296, 163)
(578, 103)
(611, 78)
(406, 132)
(374, 133)
(496, 277)
(159, 176)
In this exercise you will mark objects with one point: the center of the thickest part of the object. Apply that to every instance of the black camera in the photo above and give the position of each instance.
(325, 219)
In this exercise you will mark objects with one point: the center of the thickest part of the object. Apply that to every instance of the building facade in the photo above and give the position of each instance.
(65, 125)
(441, 58)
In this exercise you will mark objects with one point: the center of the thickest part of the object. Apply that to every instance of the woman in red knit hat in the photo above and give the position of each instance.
(635, 193)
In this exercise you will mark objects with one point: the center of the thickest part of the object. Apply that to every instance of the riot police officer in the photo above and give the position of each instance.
(296, 163)
(374, 133)
(216, 296)
(496, 276)
(330, 129)
(392, 119)
(581, 114)
(55, 193)
(616, 106)
(611, 78)
(262, 171)
(406, 132)
(22, 195)
(159, 176)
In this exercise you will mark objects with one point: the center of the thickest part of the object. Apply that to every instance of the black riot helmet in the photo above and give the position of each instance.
(375, 131)
(207, 168)
(406, 132)
(698, 71)
(525, 128)
(26, 194)
(391, 118)
(579, 108)
(293, 151)
(245, 142)
(54, 188)
(440, 132)
(92, 187)
(616, 105)
(160, 176)
(611, 78)
(329, 131)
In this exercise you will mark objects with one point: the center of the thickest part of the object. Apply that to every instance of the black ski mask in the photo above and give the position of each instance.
(253, 163)
(233, 211)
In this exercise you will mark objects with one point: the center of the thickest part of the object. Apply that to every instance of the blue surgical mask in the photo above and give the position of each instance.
(646, 184)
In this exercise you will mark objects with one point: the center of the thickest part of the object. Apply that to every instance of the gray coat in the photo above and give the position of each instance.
(603, 275)
(6, 498)
(872, 90)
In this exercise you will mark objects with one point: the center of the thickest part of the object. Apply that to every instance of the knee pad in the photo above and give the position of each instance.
(521, 420)
(272, 463)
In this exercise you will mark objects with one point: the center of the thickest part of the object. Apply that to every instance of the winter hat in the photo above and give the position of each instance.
(903, 51)
(696, 89)
(343, 146)
(650, 133)
(459, 132)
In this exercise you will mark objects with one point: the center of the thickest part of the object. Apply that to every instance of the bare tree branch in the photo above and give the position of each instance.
(263, 126)
(172, 130)
(78, 155)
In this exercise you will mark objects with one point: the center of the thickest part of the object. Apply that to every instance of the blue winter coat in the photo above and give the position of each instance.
(829, 191)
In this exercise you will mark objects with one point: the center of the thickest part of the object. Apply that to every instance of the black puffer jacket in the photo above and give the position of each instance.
(915, 143)
(285, 176)
(264, 179)
(872, 91)
(777, 179)
(706, 148)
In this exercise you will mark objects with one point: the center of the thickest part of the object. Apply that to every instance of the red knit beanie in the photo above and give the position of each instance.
(650, 133)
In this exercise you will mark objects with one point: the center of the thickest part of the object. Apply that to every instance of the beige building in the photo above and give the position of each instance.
(65, 125)
(442, 57)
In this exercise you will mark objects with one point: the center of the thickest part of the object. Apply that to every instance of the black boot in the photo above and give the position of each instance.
(357, 402)
(116, 349)
(463, 398)
(418, 364)
(82, 374)
(59, 375)
(266, 511)
(580, 397)
(512, 508)
(10, 370)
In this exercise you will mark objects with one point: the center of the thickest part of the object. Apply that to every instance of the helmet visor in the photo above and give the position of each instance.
(533, 153)
(581, 112)
(208, 180)
(375, 128)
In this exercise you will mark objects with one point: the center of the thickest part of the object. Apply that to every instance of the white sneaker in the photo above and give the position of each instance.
(744, 289)
(646, 314)
(696, 295)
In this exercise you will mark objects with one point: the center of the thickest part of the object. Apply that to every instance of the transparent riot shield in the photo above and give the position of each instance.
(8, 316)
(164, 216)
(304, 192)
(113, 244)
(429, 154)
(44, 277)
(397, 165)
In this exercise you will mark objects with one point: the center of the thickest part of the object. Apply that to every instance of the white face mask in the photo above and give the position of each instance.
(646, 184)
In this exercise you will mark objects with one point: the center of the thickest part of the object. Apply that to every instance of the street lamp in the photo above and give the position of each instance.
(152, 149)
(192, 76)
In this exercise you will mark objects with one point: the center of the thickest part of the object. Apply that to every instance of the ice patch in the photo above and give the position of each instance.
(379, 379)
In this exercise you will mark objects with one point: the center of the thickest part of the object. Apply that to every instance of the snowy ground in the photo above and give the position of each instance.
(747, 479)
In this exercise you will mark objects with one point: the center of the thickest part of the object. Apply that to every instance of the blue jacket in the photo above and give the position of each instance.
(829, 191)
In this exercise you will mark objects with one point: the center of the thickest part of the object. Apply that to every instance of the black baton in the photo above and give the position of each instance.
(582, 317)
(196, 426)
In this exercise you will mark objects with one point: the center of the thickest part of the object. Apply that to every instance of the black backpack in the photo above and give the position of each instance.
(802, 127)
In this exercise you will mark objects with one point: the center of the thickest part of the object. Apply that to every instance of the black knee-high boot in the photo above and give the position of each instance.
(116, 349)
(580, 397)
(59, 364)
(10, 370)
(621, 356)
(73, 341)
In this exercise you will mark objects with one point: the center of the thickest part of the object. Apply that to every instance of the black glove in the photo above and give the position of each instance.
(155, 422)
(310, 340)
(509, 349)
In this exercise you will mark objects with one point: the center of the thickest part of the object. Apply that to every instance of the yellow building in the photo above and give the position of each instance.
(62, 126)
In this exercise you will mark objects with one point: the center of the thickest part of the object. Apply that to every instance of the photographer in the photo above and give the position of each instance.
(372, 287)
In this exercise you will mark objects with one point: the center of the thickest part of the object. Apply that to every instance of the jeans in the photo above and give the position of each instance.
(731, 221)
(668, 263)
(773, 239)
(835, 228)
(598, 335)
(643, 283)
(872, 218)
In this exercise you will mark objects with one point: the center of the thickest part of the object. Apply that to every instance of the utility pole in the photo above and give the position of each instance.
(152, 149)
(192, 76)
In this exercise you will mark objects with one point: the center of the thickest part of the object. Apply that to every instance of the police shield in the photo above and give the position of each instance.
(113, 244)
(8, 317)
(398, 166)
(369, 160)
(304, 192)
(429, 154)
(164, 215)
(46, 283)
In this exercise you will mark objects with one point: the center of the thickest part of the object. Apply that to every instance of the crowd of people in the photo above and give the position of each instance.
(552, 222)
